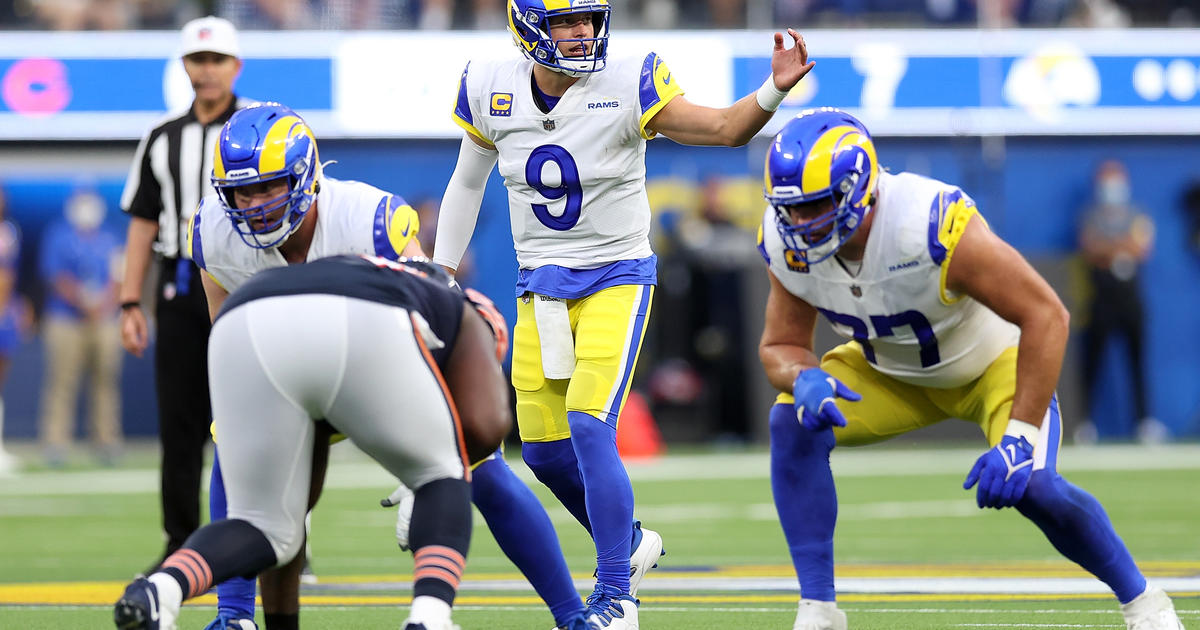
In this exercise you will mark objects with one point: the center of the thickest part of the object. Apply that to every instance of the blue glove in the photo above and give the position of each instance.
(814, 390)
(1002, 473)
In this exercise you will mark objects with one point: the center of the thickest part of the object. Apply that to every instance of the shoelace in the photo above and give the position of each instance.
(603, 603)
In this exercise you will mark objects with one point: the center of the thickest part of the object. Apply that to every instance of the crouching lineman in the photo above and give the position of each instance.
(338, 345)
(945, 320)
(275, 207)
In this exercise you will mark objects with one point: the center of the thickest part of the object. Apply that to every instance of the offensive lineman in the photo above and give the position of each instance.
(946, 321)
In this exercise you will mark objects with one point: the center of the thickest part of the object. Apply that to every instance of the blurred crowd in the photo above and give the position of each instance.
(659, 14)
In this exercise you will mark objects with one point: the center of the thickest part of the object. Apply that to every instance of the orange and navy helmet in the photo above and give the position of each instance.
(821, 154)
(266, 142)
(529, 23)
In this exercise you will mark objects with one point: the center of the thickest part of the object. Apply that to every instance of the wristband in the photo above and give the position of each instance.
(768, 96)
(125, 306)
(1021, 429)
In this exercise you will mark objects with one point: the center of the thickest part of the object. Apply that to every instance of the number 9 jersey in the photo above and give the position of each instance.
(909, 325)
(576, 175)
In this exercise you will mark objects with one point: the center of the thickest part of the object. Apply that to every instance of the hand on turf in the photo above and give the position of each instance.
(815, 391)
(1002, 473)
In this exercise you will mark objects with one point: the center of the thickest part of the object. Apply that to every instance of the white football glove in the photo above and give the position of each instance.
(401, 497)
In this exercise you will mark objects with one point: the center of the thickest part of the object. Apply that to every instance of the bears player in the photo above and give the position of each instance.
(568, 126)
(275, 208)
(339, 344)
(945, 320)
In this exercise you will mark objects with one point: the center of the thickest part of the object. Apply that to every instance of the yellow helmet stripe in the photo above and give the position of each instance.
(218, 163)
(274, 152)
(557, 5)
(820, 158)
(767, 174)
(512, 27)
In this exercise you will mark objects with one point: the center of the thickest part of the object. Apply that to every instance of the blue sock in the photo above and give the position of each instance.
(1079, 529)
(608, 496)
(235, 596)
(805, 498)
(554, 464)
(525, 534)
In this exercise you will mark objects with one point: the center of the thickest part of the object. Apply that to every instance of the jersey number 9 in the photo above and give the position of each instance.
(569, 186)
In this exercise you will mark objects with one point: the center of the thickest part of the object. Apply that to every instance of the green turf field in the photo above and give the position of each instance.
(913, 551)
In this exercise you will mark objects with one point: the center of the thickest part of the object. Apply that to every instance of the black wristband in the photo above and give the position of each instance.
(125, 306)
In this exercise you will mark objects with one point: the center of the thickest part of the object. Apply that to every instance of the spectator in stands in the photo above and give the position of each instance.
(77, 263)
(333, 14)
(10, 245)
(1115, 238)
(80, 15)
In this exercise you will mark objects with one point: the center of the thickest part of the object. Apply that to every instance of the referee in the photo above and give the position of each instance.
(169, 176)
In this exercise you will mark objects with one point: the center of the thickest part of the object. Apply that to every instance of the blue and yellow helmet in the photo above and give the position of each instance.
(821, 154)
(261, 143)
(529, 23)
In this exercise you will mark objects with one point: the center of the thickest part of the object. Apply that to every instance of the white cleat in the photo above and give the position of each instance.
(1152, 610)
(644, 556)
(818, 615)
(402, 497)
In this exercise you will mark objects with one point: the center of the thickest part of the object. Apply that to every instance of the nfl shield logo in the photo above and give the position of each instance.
(548, 125)
(856, 290)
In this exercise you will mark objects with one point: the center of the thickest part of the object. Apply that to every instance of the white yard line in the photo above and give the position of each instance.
(351, 469)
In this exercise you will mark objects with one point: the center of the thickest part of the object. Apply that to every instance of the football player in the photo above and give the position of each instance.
(568, 125)
(275, 207)
(945, 320)
(339, 344)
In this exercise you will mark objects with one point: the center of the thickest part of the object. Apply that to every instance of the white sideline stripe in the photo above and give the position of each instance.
(352, 469)
(956, 585)
(691, 512)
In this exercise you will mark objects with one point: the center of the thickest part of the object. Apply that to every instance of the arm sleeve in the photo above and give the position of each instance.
(460, 204)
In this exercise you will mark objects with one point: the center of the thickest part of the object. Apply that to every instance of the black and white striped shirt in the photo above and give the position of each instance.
(170, 174)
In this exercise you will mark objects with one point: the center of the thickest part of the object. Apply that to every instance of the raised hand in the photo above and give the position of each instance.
(789, 65)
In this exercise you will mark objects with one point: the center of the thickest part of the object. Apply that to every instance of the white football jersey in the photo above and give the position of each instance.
(909, 325)
(576, 177)
(352, 218)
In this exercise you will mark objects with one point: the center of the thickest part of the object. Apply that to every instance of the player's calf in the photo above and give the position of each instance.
(440, 535)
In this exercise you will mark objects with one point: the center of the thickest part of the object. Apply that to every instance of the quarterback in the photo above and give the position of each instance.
(567, 125)
(944, 320)
(275, 208)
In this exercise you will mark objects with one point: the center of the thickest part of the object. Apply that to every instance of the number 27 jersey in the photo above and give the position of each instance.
(909, 324)
(576, 176)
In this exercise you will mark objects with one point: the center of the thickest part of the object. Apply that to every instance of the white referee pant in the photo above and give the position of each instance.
(277, 364)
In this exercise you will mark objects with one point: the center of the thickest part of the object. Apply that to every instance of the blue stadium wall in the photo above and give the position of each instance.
(1031, 193)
